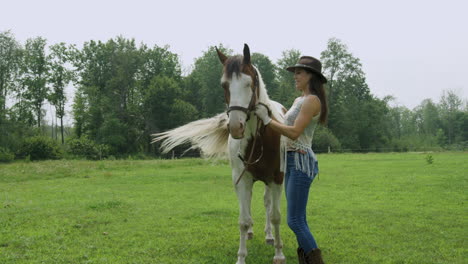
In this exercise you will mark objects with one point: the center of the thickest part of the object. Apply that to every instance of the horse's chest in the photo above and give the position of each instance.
(267, 169)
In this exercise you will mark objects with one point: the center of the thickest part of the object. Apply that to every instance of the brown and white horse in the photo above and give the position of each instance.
(253, 149)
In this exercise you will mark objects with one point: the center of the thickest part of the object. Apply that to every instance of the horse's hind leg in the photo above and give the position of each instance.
(275, 216)
(244, 195)
(269, 239)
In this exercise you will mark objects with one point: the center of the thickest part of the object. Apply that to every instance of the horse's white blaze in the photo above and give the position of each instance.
(240, 89)
(240, 95)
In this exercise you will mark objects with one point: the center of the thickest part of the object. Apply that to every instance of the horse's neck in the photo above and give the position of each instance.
(263, 96)
(250, 127)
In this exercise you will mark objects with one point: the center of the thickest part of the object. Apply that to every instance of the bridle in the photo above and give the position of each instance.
(253, 99)
(247, 111)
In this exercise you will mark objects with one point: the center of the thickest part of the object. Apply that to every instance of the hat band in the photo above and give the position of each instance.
(302, 65)
(306, 66)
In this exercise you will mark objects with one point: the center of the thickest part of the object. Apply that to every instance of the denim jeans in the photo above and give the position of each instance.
(297, 187)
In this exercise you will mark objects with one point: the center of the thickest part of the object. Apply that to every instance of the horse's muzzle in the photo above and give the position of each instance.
(236, 124)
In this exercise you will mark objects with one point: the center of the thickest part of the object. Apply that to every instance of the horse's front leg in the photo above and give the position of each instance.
(275, 216)
(269, 239)
(244, 195)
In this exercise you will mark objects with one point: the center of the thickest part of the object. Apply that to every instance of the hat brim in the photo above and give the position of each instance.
(293, 68)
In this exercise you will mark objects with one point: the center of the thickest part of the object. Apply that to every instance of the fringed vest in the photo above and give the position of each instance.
(304, 157)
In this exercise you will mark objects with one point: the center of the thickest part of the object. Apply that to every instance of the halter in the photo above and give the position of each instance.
(253, 100)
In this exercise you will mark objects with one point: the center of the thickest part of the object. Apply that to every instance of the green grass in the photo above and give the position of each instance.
(364, 208)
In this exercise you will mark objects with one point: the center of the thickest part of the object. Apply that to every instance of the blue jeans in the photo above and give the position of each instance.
(297, 187)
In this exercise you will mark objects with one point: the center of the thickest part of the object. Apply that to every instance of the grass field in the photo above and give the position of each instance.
(364, 208)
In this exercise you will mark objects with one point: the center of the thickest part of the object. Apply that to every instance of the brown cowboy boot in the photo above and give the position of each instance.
(301, 256)
(314, 257)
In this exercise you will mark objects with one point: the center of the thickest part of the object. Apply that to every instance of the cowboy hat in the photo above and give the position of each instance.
(311, 64)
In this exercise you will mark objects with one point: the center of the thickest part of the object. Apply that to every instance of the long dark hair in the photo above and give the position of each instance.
(316, 87)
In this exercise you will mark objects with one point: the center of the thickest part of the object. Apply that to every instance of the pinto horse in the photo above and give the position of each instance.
(253, 149)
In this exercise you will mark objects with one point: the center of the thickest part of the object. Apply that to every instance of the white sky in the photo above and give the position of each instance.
(411, 49)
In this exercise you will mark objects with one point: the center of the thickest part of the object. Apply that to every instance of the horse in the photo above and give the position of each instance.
(253, 149)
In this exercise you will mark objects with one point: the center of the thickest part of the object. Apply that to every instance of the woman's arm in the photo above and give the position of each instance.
(310, 108)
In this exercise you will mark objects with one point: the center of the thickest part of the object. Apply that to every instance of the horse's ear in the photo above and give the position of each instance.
(246, 54)
(221, 56)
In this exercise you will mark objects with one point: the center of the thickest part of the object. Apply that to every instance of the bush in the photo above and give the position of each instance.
(324, 138)
(6, 155)
(415, 143)
(86, 148)
(40, 148)
(460, 146)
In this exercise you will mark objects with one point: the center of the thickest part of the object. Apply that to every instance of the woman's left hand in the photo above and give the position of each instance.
(262, 112)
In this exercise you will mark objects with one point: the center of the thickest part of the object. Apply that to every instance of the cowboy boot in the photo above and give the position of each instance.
(314, 257)
(301, 256)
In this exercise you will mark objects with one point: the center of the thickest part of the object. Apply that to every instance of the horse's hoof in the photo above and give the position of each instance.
(270, 241)
(281, 260)
(240, 261)
(249, 235)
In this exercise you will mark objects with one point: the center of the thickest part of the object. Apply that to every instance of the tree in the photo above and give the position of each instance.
(34, 75)
(192, 92)
(94, 67)
(159, 100)
(10, 55)
(344, 73)
(450, 106)
(80, 110)
(333, 60)
(427, 118)
(106, 109)
(163, 107)
(207, 73)
(353, 112)
(113, 102)
(268, 71)
(286, 92)
(59, 77)
(157, 63)
(181, 113)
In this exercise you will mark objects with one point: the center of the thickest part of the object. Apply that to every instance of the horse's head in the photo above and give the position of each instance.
(240, 82)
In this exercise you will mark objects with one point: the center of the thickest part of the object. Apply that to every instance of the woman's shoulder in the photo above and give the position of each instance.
(312, 103)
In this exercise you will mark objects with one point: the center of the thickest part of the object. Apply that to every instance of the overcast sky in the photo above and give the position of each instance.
(411, 49)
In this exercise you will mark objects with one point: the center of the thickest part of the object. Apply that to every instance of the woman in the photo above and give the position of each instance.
(301, 164)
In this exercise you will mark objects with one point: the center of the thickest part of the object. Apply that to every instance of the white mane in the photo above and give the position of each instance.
(275, 107)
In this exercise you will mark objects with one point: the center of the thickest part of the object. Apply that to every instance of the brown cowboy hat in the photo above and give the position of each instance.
(311, 64)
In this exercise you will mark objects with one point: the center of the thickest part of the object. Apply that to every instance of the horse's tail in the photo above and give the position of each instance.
(210, 135)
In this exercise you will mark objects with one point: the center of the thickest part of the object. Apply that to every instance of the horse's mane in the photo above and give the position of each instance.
(233, 65)
(275, 107)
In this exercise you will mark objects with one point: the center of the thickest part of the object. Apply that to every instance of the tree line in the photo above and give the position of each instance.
(125, 92)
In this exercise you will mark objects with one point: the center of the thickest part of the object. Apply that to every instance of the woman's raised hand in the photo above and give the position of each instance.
(262, 112)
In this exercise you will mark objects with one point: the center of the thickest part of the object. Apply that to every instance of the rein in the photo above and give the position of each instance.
(249, 162)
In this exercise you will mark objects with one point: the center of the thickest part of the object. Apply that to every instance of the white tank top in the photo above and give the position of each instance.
(304, 156)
